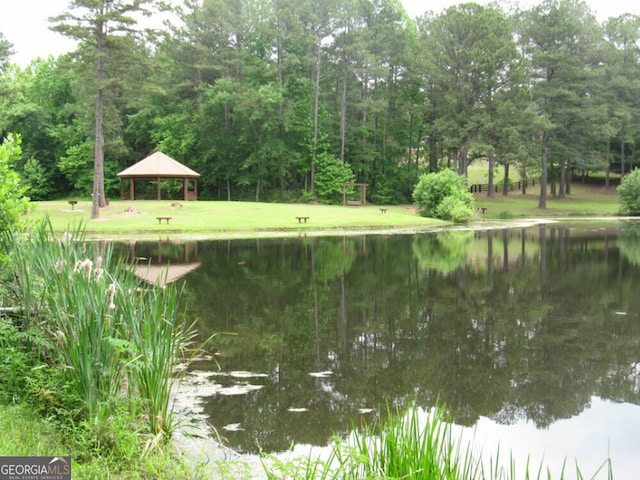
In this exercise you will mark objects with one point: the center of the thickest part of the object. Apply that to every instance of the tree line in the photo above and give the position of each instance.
(285, 100)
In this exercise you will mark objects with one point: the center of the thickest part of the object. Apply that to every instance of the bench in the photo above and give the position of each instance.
(301, 219)
(383, 210)
(163, 218)
(481, 209)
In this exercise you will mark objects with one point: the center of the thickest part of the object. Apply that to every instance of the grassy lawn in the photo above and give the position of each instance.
(223, 218)
(241, 219)
(584, 201)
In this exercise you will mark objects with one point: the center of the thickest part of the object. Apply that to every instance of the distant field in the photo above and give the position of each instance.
(585, 200)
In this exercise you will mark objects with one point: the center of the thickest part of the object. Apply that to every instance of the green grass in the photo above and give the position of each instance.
(241, 219)
(23, 432)
(584, 201)
(19, 437)
(222, 218)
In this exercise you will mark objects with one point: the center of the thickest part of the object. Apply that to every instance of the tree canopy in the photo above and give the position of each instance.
(271, 100)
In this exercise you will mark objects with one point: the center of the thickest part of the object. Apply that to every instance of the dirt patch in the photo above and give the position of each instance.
(131, 211)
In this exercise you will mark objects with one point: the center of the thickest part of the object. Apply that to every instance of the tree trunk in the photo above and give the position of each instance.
(491, 170)
(542, 201)
(622, 148)
(505, 183)
(563, 179)
(98, 160)
(316, 107)
(343, 113)
(607, 177)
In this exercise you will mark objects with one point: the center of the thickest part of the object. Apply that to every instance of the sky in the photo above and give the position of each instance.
(24, 22)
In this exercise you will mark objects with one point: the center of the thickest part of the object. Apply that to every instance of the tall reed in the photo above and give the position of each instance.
(116, 334)
(409, 445)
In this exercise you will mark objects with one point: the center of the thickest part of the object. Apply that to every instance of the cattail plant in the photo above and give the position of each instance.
(115, 334)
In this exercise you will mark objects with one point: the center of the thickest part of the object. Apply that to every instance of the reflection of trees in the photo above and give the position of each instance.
(499, 341)
(442, 251)
(629, 243)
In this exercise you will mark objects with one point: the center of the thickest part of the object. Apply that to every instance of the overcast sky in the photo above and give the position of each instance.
(24, 22)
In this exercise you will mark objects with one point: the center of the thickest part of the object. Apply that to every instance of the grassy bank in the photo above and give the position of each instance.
(88, 357)
(24, 432)
(236, 219)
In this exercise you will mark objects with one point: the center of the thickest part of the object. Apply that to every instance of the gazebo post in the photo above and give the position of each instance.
(132, 189)
(159, 190)
(185, 187)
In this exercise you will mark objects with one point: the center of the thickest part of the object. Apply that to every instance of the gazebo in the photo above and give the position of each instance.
(158, 167)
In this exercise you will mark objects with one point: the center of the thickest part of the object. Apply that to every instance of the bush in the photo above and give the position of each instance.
(331, 173)
(454, 209)
(629, 191)
(443, 195)
(13, 203)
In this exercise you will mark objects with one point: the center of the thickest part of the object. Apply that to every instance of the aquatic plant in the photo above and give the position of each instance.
(113, 332)
(411, 444)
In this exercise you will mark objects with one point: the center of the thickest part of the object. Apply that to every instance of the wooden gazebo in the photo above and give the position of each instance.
(158, 167)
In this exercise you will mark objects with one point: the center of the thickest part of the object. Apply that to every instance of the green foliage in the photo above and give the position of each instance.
(13, 203)
(117, 335)
(331, 173)
(629, 191)
(76, 166)
(416, 444)
(122, 453)
(443, 195)
(454, 209)
(37, 179)
(15, 361)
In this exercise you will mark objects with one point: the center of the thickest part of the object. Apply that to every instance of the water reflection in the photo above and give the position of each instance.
(162, 262)
(517, 326)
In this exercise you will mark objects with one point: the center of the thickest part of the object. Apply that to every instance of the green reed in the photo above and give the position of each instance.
(411, 446)
(407, 446)
(117, 337)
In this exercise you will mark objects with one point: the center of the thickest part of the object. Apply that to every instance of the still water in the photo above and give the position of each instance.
(529, 336)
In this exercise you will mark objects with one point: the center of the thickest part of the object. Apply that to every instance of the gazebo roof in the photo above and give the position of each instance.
(158, 165)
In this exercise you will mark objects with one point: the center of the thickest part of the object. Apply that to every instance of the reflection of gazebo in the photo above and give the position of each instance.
(160, 270)
(161, 275)
(158, 167)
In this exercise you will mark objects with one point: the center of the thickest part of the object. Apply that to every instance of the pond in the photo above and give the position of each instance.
(530, 336)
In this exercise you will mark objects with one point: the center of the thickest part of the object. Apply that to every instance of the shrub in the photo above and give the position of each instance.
(331, 173)
(454, 209)
(629, 191)
(13, 202)
(443, 195)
